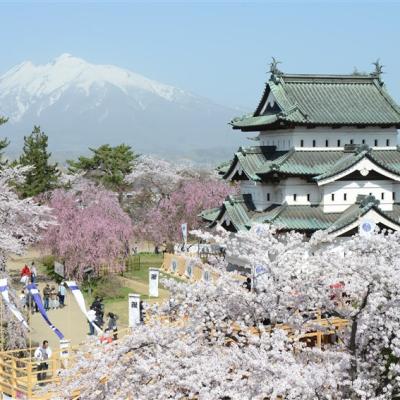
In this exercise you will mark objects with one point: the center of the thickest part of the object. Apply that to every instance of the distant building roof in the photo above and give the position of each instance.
(318, 100)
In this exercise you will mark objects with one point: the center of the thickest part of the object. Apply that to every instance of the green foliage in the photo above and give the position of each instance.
(43, 176)
(110, 288)
(3, 143)
(46, 265)
(145, 261)
(108, 165)
(48, 261)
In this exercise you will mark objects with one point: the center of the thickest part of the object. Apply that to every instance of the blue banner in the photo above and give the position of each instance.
(6, 298)
(38, 300)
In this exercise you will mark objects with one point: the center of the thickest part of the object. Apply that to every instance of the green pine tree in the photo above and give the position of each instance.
(3, 144)
(108, 165)
(42, 176)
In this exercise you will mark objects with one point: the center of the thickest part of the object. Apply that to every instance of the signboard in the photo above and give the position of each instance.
(153, 282)
(367, 227)
(59, 269)
(184, 232)
(260, 272)
(134, 309)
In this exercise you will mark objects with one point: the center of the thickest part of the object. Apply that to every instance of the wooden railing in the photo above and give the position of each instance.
(19, 370)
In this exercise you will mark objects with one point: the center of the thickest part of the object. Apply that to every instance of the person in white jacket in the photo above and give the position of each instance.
(42, 355)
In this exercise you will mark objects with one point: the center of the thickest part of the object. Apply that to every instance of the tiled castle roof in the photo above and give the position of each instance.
(242, 215)
(259, 162)
(318, 100)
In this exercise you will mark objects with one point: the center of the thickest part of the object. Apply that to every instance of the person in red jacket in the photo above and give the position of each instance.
(25, 271)
(25, 275)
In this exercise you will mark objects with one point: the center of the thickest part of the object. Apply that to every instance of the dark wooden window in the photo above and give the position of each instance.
(338, 143)
(268, 197)
(382, 196)
(394, 195)
(301, 143)
(326, 143)
(345, 196)
(363, 141)
(351, 141)
(295, 197)
(387, 142)
(376, 142)
(308, 197)
(333, 197)
(314, 143)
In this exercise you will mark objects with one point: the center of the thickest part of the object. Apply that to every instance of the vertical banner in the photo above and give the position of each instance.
(13, 309)
(134, 309)
(81, 303)
(153, 282)
(36, 297)
(184, 232)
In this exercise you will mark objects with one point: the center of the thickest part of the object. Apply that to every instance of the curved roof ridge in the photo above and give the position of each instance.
(353, 77)
(342, 164)
(382, 88)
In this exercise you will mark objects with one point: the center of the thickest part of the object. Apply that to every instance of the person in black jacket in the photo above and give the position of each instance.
(247, 284)
(98, 307)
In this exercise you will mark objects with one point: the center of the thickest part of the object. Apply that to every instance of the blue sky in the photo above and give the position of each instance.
(220, 50)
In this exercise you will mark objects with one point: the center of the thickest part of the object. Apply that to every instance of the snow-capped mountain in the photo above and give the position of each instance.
(79, 104)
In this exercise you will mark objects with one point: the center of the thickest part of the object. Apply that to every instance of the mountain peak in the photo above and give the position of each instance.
(67, 58)
(64, 56)
(80, 104)
(67, 71)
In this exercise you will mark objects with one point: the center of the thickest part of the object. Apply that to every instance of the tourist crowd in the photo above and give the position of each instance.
(52, 297)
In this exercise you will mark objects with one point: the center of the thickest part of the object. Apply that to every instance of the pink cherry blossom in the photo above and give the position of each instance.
(92, 231)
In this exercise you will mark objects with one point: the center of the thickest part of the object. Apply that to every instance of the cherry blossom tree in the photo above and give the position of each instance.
(220, 341)
(165, 195)
(92, 231)
(22, 223)
(163, 221)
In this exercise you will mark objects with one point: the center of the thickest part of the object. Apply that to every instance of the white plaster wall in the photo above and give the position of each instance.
(353, 189)
(259, 193)
(282, 141)
(288, 138)
(301, 188)
(279, 193)
(286, 189)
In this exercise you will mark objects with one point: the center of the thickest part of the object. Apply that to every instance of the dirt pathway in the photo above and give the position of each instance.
(69, 320)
